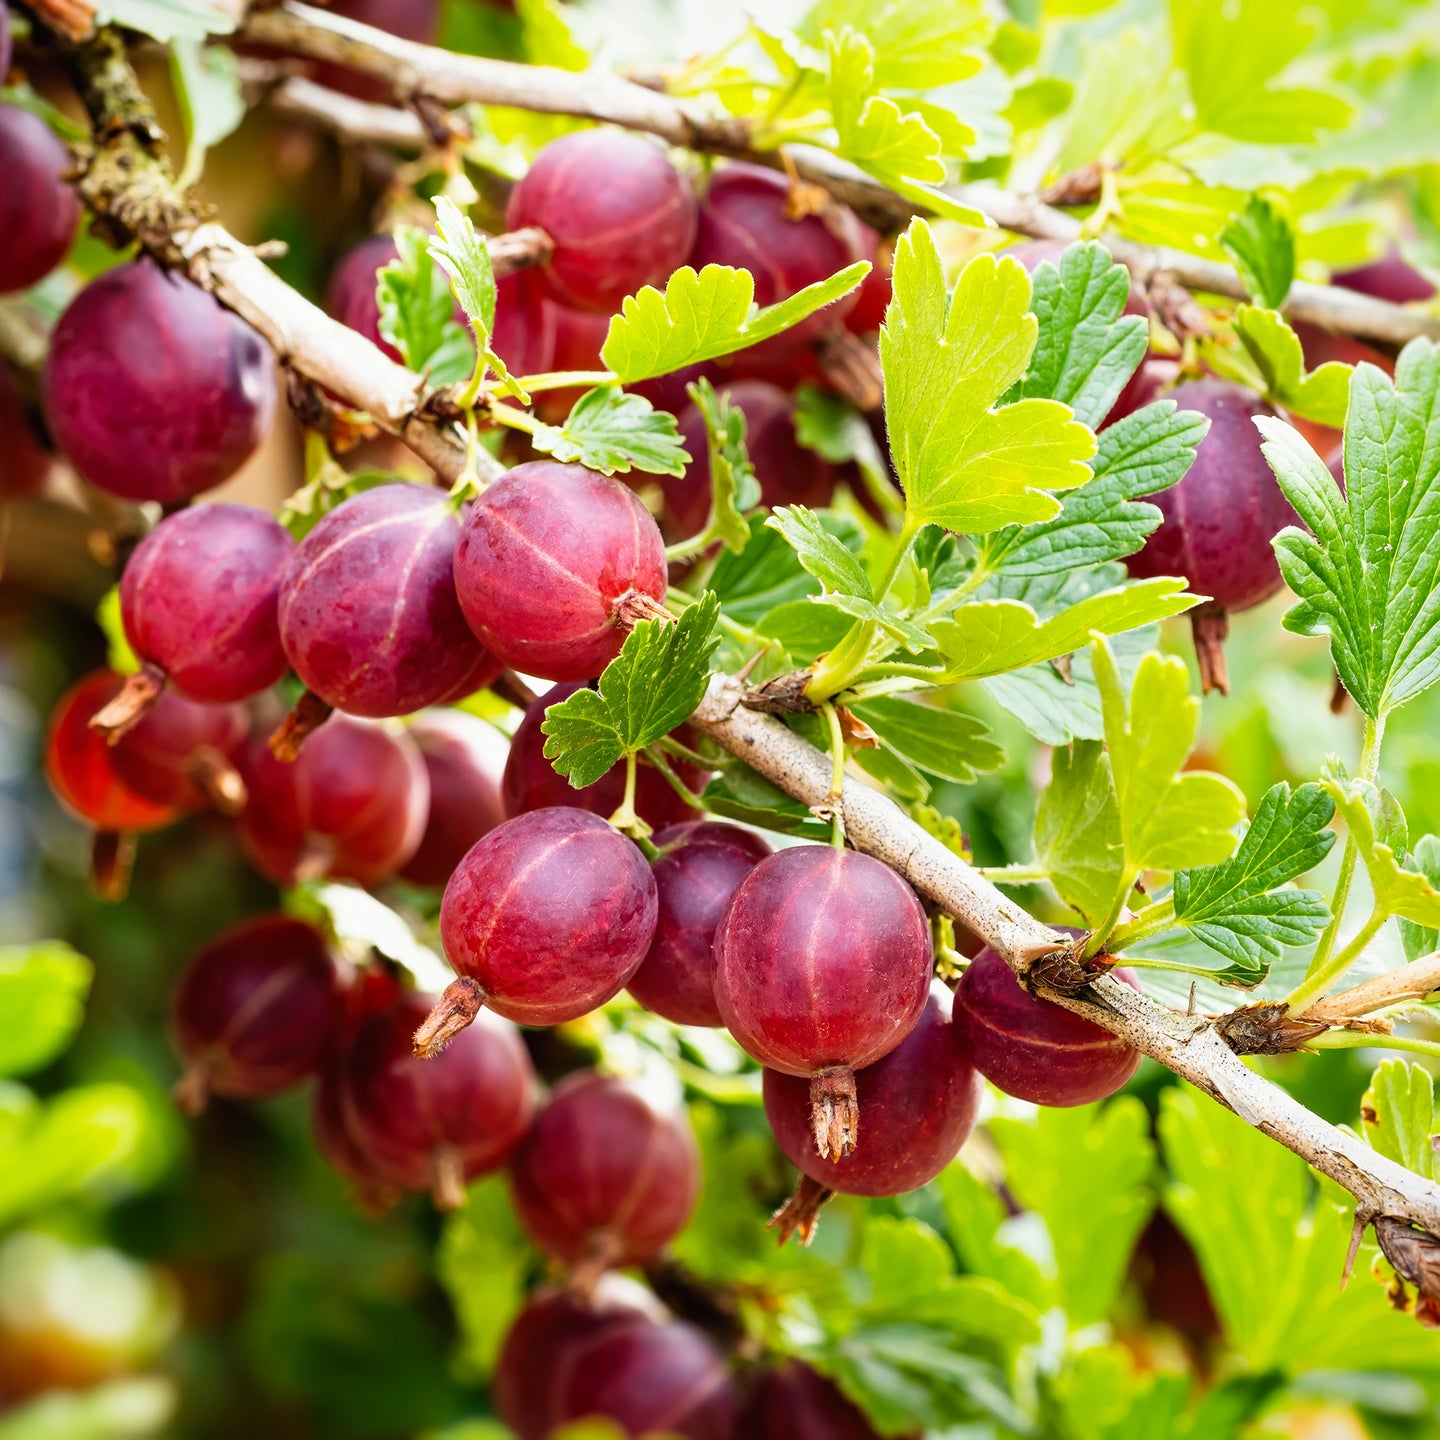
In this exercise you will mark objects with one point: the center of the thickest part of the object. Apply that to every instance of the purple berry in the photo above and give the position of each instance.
(39, 212)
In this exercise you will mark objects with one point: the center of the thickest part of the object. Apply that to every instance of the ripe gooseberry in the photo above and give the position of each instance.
(698, 868)
(39, 212)
(604, 1178)
(256, 1011)
(368, 614)
(545, 919)
(648, 1379)
(24, 463)
(1391, 277)
(464, 757)
(351, 807)
(788, 472)
(822, 965)
(872, 299)
(1034, 1049)
(183, 754)
(1219, 520)
(435, 1124)
(81, 769)
(531, 782)
(535, 1345)
(618, 214)
(793, 1401)
(199, 603)
(152, 390)
(919, 1103)
(746, 221)
(554, 565)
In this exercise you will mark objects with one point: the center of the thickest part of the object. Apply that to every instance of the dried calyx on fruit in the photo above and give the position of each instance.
(199, 601)
(919, 1103)
(822, 965)
(1034, 1049)
(256, 1012)
(555, 564)
(545, 919)
(184, 754)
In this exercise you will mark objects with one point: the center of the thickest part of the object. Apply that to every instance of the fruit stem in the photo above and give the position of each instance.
(834, 1112)
(448, 1190)
(1368, 770)
(112, 857)
(192, 1089)
(459, 1003)
(801, 1212)
(139, 692)
(1210, 626)
(218, 780)
(835, 800)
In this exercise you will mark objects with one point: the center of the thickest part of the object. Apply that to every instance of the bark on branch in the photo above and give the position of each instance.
(412, 69)
(1188, 1045)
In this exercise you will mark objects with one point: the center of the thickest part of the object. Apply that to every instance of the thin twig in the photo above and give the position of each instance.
(412, 69)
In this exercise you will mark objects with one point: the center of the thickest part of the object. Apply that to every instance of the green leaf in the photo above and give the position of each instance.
(770, 574)
(740, 793)
(941, 742)
(1239, 907)
(975, 1220)
(118, 654)
(1321, 394)
(1087, 1172)
(1087, 347)
(466, 259)
(704, 316)
(1149, 450)
(42, 1002)
(733, 486)
(483, 1261)
(1271, 1250)
(1261, 243)
(918, 44)
(417, 312)
(614, 432)
(167, 20)
(1397, 891)
(991, 637)
(1421, 940)
(206, 80)
(1168, 820)
(1397, 1116)
(837, 569)
(327, 485)
(1077, 830)
(1387, 495)
(838, 432)
(804, 630)
(648, 689)
(874, 133)
(961, 462)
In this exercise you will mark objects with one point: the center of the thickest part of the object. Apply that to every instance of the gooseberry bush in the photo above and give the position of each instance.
(704, 748)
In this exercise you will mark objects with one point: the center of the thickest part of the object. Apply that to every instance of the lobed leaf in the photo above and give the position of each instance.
(417, 313)
(948, 743)
(1396, 890)
(614, 432)
(733, 486)
(1321, 394)
(1397, 1116)
(1077, 830)
(1261, 243)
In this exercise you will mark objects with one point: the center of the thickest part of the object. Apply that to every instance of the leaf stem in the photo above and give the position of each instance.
(1101, 934)
(1151, 921)
(658, 760)
(1368, 1040)
(1320, 961)
(837, 775)
(564, 379)
(904, 542)
(626, 818)
(1013, 874)
(1317, 982)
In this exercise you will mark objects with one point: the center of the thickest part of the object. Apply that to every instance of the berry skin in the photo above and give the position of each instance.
(619, 213)
(1033, 1049)
(24, 462)
(604, 1178)
(1219, 519)
(668, 1379)
(536, 1344)
(789, 474)
(256, 1011)
(745, 221)
(368, 614)
(919, 1103)
(182, 754)
(545, 919)
(351, 297)
(199, 600)
(873, 297)
(435, 1124)
(464, 758)
(351, 807)
(1388, 278)
(822, 966)
(81, 766)
(554, 562)
(152, 390)
(699, 867)
(531, 782)
(794, 1402)
(39, 212)
(5, 42)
